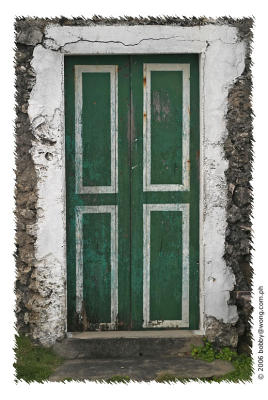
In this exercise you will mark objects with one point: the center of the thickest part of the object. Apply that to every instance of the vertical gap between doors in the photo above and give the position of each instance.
(130, 184)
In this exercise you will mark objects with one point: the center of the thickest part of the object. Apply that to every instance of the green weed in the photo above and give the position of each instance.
(242, 363)
(34, 363)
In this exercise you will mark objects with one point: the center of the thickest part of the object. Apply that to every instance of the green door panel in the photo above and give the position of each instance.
(166, 127)
(96, 118)
(132, 191)
(165, 265)
(97, 266)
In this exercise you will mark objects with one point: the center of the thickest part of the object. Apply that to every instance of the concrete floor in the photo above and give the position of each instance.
(140, 369)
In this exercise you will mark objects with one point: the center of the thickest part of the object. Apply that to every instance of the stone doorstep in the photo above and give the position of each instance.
(140, 355)
(140, 369)
(127, 344)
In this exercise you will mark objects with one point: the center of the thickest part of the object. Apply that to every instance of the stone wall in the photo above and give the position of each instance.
(25, 192)
(33, 293)
(238, 150)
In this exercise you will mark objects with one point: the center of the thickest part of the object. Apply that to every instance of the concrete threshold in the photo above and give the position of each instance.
(172, 333)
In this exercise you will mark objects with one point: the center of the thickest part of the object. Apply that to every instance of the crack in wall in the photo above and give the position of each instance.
(60, 48)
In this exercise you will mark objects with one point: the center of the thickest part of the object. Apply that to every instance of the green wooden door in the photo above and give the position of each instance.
(132, 191)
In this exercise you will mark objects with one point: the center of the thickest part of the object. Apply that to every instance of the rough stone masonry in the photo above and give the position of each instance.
(39, 291)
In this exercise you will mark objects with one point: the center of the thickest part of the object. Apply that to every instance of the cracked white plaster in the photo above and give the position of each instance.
(122, 38)
(222, 57)
(46, 117)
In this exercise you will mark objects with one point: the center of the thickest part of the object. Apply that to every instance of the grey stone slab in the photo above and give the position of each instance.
(103, 346)
(30, 36)
(140, 369)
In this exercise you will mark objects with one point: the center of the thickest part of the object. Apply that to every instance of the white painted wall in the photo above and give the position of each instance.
(222, 58)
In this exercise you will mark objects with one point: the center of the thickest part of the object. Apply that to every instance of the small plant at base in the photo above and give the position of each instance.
(205, 352)
(243, 370)
(242, 363)
(226, 354)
